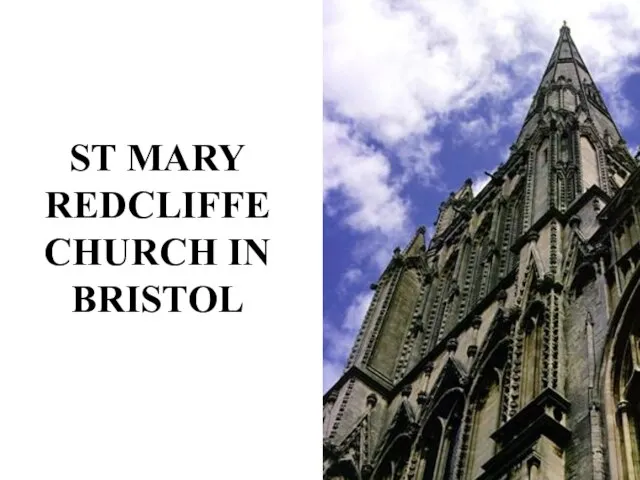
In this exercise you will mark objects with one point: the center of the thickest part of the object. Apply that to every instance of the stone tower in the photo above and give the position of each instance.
(509, 347)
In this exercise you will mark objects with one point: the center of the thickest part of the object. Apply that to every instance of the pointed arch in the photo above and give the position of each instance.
(536, 260)
(394, 457)
(585, 273)
(495, 335)
(540, 181)
(533, 273)
(589, 162)
(343, 469)
(510, 226)
(437, 436)
(451, 375)
(531, 326)
(620, 384)
(395, 446)
(484, 409)
(355, 445)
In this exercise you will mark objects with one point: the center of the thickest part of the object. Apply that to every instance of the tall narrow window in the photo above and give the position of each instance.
(564, 148)
(516, 231)
(438, 438)
(541, 181)
(589, 163)
(486, 418)
(531, 352)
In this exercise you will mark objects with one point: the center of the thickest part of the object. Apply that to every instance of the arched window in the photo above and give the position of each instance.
(628, 404)
(397, 445)
(531, 352)
(394, 459)
(564, 148)
(438, 437)
(487, 399)
(541, 180)
(518, 219)
(622, 387)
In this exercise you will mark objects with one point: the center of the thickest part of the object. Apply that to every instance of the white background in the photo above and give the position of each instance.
(161, 396)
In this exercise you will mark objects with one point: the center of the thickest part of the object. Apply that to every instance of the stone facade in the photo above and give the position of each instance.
(508, 347)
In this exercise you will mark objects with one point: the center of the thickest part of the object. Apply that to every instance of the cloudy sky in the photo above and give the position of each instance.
(419, 96)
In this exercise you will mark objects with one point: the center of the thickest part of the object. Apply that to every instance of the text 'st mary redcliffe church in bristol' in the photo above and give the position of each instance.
(509, 347)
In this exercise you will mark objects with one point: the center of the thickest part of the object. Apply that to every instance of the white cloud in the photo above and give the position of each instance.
(369, 196)
(519, 109)
(349, 278)
(480, 131)
(352, 275)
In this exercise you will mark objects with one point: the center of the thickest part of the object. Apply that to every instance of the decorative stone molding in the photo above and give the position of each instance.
(501, 296)
(452, 345)
(623, 406)
(366, 471)
(532, 236)
(428, 368)
(574, 221)
(406, 390)
(513, 313)
(546, 284)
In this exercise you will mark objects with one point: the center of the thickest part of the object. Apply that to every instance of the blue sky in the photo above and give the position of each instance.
(419, 96)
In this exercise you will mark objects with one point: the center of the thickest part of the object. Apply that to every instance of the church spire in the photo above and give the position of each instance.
(567, 86)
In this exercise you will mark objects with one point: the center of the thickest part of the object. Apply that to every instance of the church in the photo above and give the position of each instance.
(508, 346)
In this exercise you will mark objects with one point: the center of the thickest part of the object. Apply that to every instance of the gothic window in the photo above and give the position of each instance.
(395, 459)
(624, 403)
(397, 445)
(473, 252)
(589, 163)
(517, 216)
(531, 352)
(510, 228)
(502, 237)
(484, 262)
(438, 438)
(564, 148)
(629, 406)
(540, 182)
(446, 304)
(487, 398)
